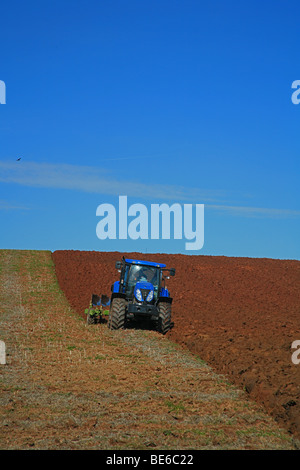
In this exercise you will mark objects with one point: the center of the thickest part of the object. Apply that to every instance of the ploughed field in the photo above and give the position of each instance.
(69, 385)
(240, 315)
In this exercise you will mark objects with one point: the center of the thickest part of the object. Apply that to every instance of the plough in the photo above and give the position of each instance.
(96, 310)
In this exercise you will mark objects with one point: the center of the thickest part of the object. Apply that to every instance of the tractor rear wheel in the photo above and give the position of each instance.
(116, 319)
(164, 317)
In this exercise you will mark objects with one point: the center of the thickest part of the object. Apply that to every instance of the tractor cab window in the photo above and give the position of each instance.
(138, 273)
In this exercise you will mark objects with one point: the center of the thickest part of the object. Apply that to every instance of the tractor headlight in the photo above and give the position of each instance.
(138, 295)
(150, 296)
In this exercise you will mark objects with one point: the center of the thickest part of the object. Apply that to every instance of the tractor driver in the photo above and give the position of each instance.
(142, 276)
(148, 275)
(137, 274)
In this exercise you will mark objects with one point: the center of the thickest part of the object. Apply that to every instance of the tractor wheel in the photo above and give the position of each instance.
(164, 317)
(116, 319)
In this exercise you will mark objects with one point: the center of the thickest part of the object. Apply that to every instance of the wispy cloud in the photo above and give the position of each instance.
(100, 181)
(8, 206)
(95, 180)
(246, 211)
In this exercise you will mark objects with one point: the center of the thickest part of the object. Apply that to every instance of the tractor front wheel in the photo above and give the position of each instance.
(116, 319)
(164, 317)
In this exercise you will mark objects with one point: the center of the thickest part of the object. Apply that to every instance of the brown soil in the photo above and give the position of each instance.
(69, 385)
(241, 315)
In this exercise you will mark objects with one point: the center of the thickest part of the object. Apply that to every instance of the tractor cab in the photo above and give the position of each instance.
(141, 278)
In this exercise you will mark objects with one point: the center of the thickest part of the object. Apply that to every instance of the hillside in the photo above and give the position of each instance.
(241, 315)
(69, 385)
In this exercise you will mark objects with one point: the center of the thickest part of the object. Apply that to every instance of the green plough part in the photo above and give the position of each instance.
(95, 313)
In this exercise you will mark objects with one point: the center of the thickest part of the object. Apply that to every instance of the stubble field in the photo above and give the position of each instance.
(68, 385)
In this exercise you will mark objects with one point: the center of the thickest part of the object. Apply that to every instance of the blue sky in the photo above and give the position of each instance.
(162, 101)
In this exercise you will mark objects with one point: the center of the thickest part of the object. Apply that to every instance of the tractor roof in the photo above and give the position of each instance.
(145, 263)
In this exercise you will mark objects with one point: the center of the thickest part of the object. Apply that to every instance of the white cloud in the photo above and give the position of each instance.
(94, 180)
(8, 206)
(255, 211)
(97, 180)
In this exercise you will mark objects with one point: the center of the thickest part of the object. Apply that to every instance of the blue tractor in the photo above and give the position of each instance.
(141, 293)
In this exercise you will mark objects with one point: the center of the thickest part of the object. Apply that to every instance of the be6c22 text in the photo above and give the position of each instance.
(176, 459)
